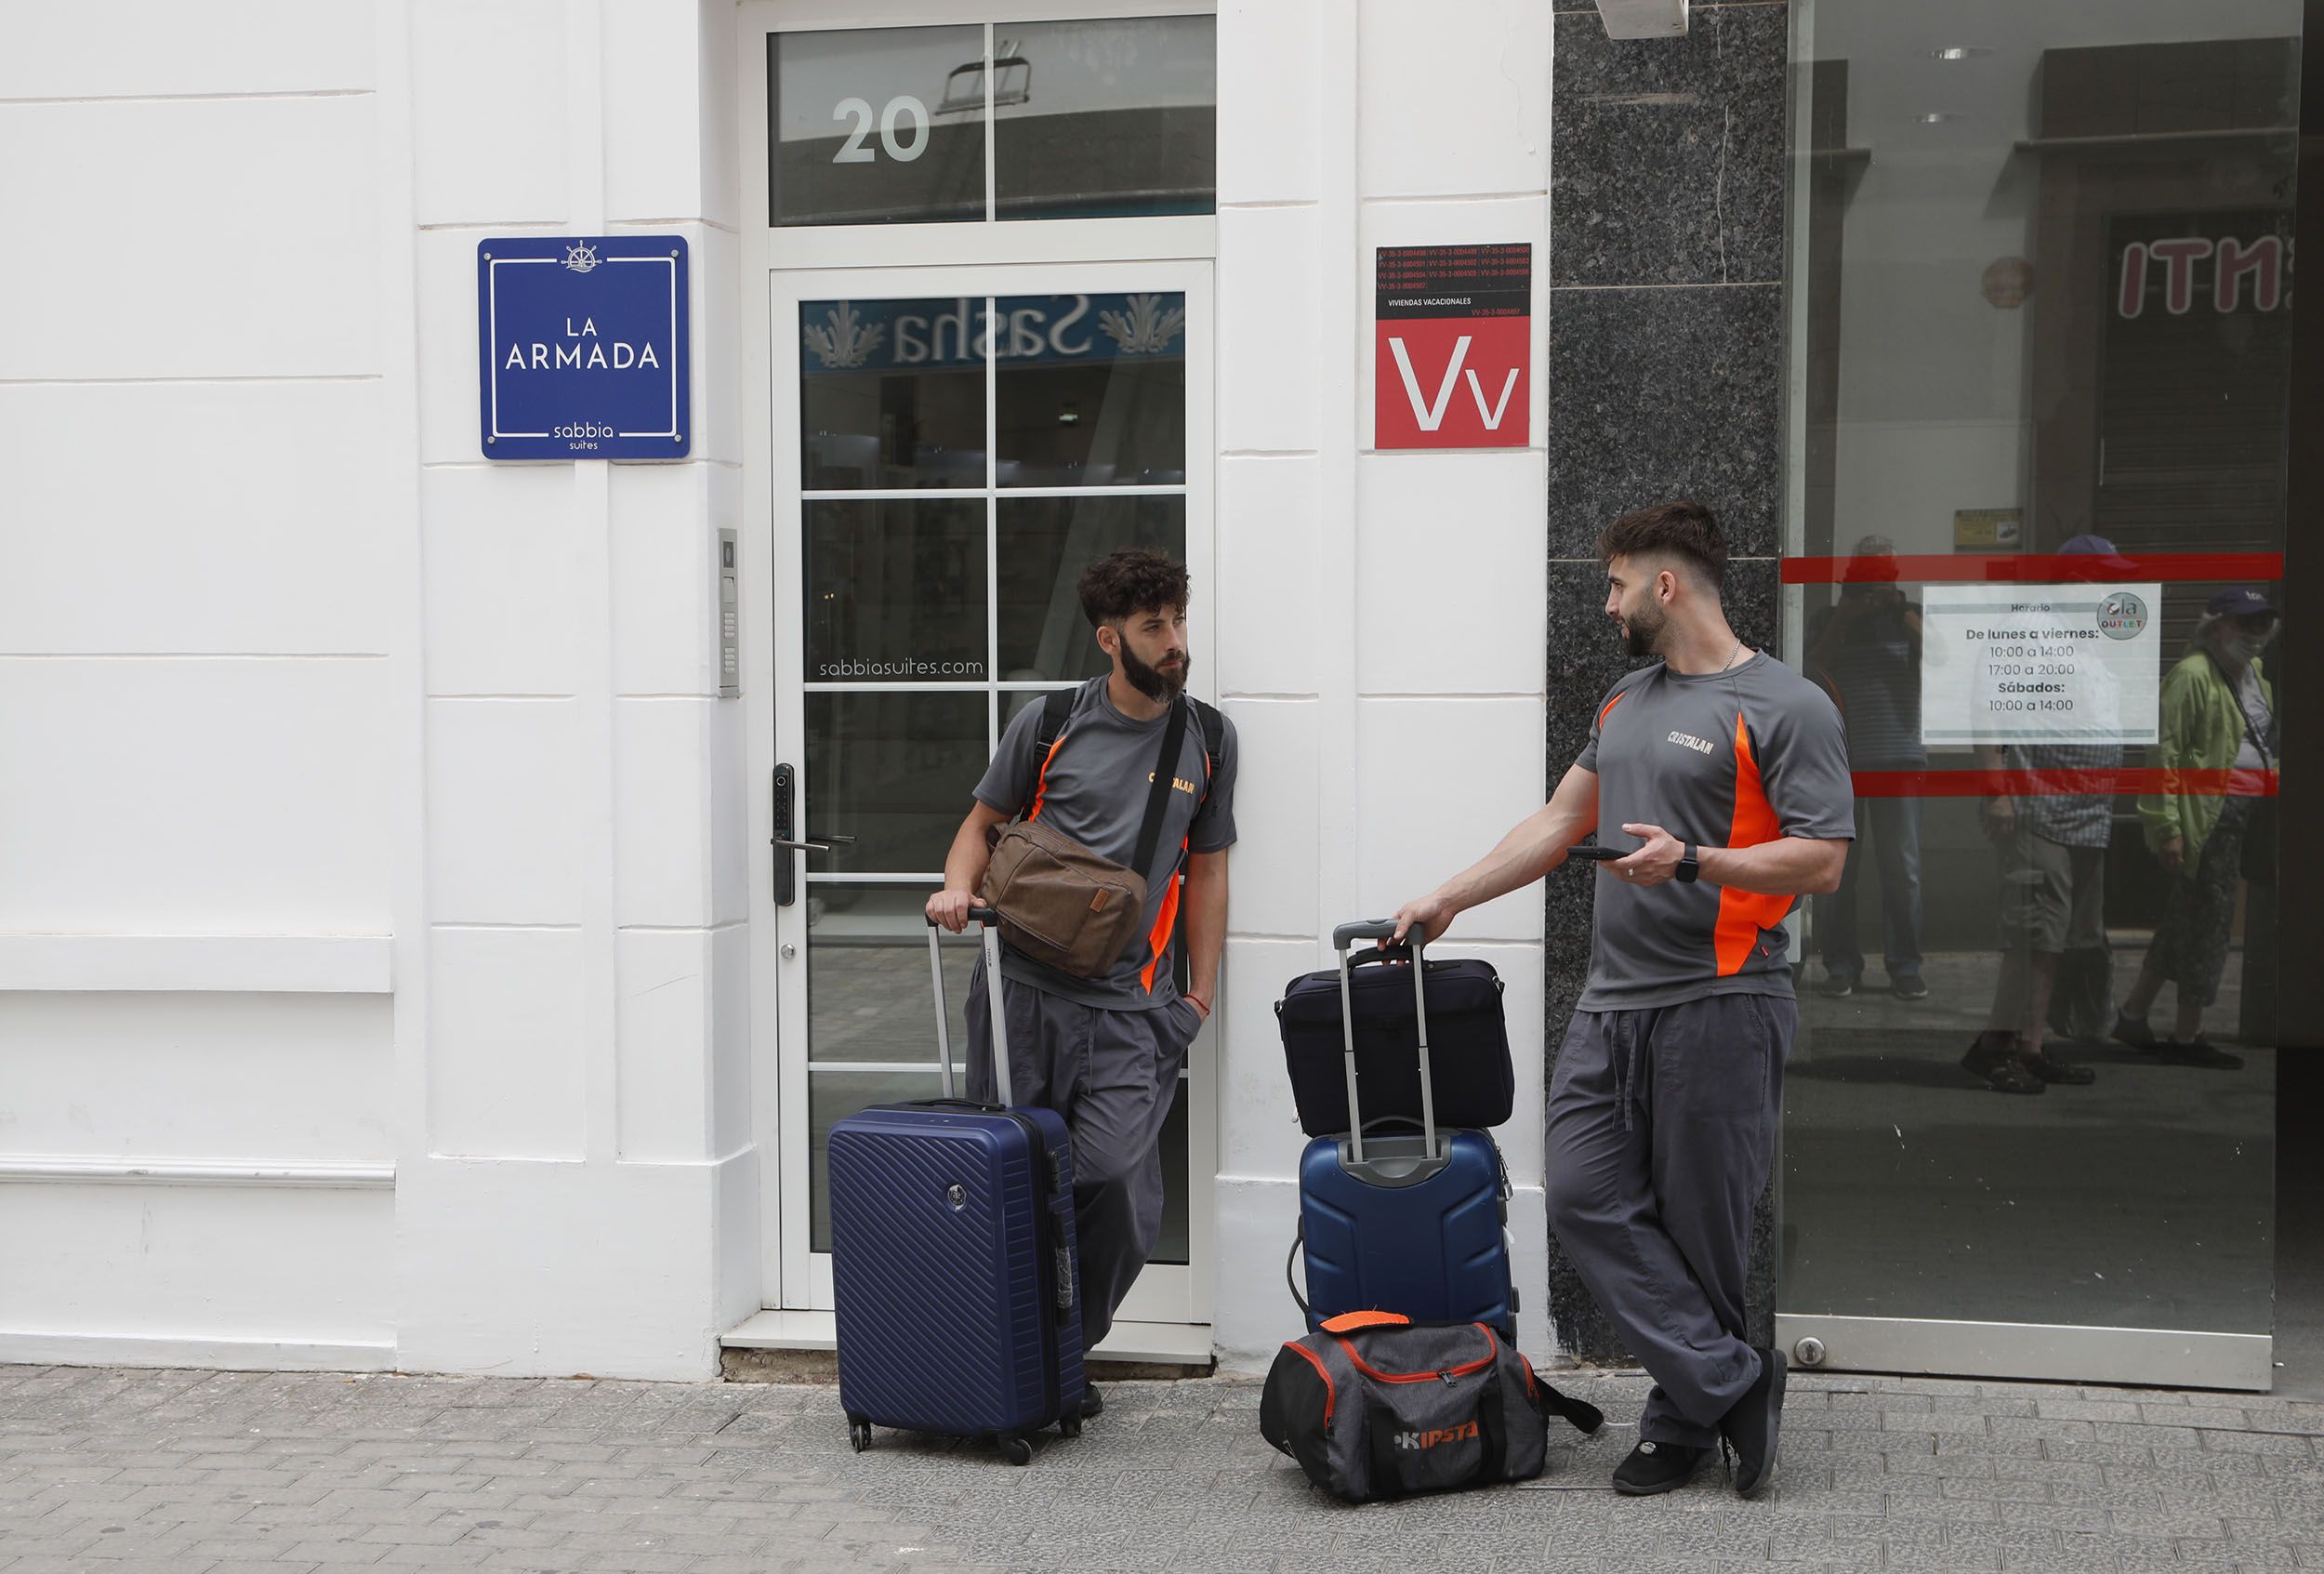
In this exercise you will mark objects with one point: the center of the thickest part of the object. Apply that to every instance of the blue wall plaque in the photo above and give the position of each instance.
(582, 342)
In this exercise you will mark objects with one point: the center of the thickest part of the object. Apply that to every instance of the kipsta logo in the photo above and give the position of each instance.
(2122, 616)
(581, 257)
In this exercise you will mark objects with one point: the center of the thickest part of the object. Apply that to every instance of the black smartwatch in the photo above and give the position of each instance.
(1689, 865)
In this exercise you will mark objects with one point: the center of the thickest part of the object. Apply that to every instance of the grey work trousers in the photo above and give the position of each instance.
(1113, 1075)
(1661, 1129)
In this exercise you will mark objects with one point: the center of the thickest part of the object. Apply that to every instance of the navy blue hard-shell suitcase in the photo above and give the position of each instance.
(1409, 1222)
(953, 1259)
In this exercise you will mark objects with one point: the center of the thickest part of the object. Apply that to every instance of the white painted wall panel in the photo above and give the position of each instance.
(254, 518)
(547, 1270)
(657, 153)
(147, 48)
(664, 521)
(205, 238)
(1451, 578)
(730, 815)
(203, 797)
(503, 601)
(278, 1078)
(1264, 602)
(661, 811)
(717, 364)
(1259, 1124)
(731, 1062)
(1453, 104)
(489, 124)
(1268, 121)
(506, 812)
(1268, 264)
(664, 1064)
(1442, 781)
(506, 1019)
(444, 283)
(1273, 890)
(197, 1263)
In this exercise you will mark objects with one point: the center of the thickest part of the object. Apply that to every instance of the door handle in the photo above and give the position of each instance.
(786, 842)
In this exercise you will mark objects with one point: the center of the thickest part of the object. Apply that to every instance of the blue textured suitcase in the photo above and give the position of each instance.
(1414, 1223)
(953, 1259)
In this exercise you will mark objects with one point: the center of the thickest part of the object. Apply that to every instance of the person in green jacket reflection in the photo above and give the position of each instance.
(2218, 714)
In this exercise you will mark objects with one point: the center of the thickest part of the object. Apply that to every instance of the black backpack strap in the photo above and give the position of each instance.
(1056, 710)
(1213, 740)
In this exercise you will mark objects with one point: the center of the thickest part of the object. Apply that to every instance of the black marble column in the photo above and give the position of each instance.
(1666, 380)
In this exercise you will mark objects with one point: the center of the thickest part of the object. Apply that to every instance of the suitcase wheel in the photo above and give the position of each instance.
(1016, 1449)
(1069, 1426)
(858, 1432)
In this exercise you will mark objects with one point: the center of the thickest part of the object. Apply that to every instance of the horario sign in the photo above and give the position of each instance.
(1452, 346)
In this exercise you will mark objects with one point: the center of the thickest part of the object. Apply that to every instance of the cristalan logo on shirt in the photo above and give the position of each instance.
(1688, 740)
(1179, 782)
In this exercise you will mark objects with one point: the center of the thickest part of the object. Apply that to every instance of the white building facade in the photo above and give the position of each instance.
(391, 974)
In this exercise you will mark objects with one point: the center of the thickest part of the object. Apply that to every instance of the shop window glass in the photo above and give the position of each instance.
(891, 393)
(2042, 338)
(1089, 119)
(875, 126)
(1091, 390)
(1100, 119)
(895, 589)
(1045, 544)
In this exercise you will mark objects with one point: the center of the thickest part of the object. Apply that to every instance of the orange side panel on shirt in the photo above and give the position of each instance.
(1609, 707)
(1742, 914)
(1165, 918)
(1040, 788)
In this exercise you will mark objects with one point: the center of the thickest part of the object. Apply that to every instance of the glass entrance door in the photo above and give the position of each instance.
(952, 447)
(2041, 341)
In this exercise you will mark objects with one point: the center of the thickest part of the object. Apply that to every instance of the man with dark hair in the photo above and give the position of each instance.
(1727, 775)
(1104, 1052)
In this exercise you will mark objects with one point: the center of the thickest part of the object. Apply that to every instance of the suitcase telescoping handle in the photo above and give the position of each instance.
(1383, 929)
(991, 921)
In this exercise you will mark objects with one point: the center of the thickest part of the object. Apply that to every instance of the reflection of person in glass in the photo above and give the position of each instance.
(2051, 846)
(1104, 1052)
(2218, 717)
(1866, 650)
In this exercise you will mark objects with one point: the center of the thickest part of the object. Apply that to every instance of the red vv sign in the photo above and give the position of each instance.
(1452, 344)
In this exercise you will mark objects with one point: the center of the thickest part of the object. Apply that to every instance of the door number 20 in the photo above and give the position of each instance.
(899, 109)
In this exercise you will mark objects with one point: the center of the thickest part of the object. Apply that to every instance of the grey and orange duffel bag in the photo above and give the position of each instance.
(1376, 1406)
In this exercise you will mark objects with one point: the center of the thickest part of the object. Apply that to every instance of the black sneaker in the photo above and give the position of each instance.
(1092, 1404)
(1910, 987)
(1656, 1467)
(1749, 1428)
(1836, 987)
(2133, 1031)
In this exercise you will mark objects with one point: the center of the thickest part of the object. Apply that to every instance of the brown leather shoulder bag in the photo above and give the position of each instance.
(1060, 904)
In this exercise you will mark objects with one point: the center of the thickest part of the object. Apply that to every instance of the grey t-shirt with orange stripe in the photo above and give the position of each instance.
(1721, 760)
(1095, 791)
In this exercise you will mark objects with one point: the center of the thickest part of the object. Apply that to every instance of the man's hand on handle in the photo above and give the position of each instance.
(1432, 915)
(950, 908)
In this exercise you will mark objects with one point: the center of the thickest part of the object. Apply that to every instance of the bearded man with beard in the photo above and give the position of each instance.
(2219, 719)
(1104, 1052)
(1722, 776)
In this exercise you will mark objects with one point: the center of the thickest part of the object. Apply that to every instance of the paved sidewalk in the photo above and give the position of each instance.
(119, 1472)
